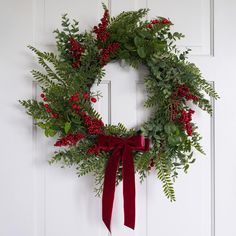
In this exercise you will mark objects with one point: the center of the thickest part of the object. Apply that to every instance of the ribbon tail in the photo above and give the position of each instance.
(128, 188)
(109, 187)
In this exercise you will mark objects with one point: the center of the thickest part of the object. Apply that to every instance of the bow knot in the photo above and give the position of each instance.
(122, 150)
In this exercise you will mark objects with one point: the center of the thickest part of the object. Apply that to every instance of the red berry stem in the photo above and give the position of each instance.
(76, 51)
(69, 139)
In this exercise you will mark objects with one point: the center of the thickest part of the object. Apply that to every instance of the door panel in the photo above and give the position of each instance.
(41, 200)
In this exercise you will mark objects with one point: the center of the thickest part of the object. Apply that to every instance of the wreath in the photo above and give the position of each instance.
(163, 144)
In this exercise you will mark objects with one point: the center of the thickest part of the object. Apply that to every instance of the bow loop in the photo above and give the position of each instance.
(137, 142)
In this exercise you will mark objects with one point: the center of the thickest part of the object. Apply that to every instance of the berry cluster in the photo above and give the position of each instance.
(173, 109)
(100, 30)
(73, 99)
(69, 139)
(107, 51)
(154, 22)
(47, 107)
(185, 120)
(166, 22)
(76, 50)
(94, 126)
(76, 107)
(184, 91)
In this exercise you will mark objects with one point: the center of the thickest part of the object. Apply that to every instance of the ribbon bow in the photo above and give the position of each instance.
(122, 150)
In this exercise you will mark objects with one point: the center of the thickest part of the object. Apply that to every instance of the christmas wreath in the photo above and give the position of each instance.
(111, 152)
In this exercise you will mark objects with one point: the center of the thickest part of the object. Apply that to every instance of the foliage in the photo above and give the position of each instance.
(172, 84)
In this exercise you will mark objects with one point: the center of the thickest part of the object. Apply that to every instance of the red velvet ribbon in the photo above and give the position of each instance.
(122, 150)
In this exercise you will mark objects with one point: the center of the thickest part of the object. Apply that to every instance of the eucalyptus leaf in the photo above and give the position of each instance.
(141, 52)
(138, 41)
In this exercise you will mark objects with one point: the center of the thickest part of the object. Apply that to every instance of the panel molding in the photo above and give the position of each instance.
(212, 28)
(206, 48)
(108, 83)
(98, 105)
(212, 148)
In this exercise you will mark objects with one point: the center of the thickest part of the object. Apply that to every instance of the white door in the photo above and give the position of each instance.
(41, 200)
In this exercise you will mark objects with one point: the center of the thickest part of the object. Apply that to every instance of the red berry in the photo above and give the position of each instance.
(93, 100)
(74, 65)
(74, 106)
(46, 105)
(166, 21)
(42, 95)
(45, 99)
(86, 96)
(155, 22)
(55, 115)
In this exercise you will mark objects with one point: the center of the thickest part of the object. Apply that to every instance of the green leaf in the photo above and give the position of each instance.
(130, 47)
(141, 52)
(49, 132)
(138, 41)
(173, 140)
(170, 128)
(41, 125)
(167, 128)
(67, 127)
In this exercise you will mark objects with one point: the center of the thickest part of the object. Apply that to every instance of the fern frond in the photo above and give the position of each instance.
(204, 85)
(164, 175)
(51, 58)
(42, 79)
(195, 142)
(142, 160)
